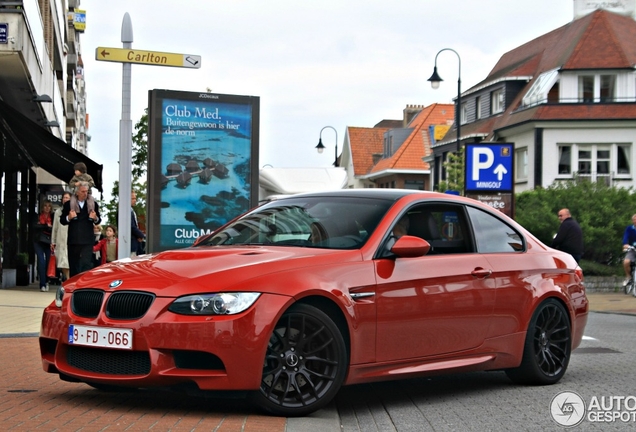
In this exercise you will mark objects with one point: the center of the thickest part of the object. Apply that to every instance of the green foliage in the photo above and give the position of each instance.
(454, 167)
(22, 258)
(591, 268)
(139, 168)
(602, 211)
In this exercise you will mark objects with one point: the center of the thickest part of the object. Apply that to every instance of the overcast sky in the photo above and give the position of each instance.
(314, 63)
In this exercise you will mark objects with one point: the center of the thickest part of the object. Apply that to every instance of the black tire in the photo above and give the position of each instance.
(305, 364)
(548, 346)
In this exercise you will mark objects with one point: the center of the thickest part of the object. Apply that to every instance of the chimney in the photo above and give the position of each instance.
(623, 7)
(411, 111)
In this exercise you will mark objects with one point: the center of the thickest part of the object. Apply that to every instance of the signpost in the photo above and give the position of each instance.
(155, 58)
(127, 56)
(490, 174)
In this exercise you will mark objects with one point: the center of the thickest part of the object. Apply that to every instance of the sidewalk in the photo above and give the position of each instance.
(21, 307)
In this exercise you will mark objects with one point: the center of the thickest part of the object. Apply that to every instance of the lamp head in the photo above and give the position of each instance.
(435, 79)
(320, 147)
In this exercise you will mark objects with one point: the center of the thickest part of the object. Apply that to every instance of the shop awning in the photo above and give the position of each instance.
(43, 149)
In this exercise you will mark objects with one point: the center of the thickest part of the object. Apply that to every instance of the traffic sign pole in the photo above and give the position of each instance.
(125, 147)
(127, 56)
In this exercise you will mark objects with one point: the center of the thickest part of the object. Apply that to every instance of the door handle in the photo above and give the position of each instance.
(481, 273)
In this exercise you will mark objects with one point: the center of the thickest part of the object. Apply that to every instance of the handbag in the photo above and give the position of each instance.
(45, 238)
(51, 270)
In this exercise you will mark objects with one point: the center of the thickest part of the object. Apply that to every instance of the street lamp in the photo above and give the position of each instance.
(320, 147)
(435, 79)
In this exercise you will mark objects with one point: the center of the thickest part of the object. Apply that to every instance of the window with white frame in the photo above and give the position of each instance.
(608, 88)
(586, 88)
(478, 114)
(595, 161)
(623, 160)
(597, 88)
(497, 101)
(565, 159)
(464, 113)
(521, 164)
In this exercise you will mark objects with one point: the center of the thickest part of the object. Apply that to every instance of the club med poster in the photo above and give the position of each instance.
(202, 164)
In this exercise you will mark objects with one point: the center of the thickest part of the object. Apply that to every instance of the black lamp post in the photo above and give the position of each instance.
(435, 79)
(320, 147)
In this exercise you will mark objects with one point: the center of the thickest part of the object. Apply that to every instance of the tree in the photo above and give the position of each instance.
(139, 169)
(454, 166)
(602, 211)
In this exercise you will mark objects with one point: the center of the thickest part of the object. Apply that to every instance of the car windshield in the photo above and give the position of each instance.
(317, 221)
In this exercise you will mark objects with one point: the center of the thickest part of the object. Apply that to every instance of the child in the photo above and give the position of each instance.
(107, 247)
(80, 175)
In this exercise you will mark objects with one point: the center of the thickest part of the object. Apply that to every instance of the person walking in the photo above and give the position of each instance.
(107, 247)
(570, 236)
(137, 237)
(59, 238)
(42, 242)
(80, 228)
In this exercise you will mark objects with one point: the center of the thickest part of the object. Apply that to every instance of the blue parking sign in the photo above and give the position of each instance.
(4, 33)
(489, 167)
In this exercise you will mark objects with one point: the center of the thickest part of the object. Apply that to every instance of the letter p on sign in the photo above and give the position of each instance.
(483, 158)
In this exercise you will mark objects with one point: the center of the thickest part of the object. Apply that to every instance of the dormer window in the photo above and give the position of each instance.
(586, 88)
(497, 101)
(464, 113)
(540, 89)
(478, 113)
(597, 88)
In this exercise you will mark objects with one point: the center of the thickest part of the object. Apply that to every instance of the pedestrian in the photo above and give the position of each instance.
(97, 259)
(629, 239)
(42, 242)
(81, 238)
(107, 247)
(570, 236)
(59, 238)
(81, 176)
(137, 237)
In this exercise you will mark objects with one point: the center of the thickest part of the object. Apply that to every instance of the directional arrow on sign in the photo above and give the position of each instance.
(500, 171)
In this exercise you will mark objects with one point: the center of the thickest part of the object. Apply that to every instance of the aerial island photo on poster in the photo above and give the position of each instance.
(206, 150)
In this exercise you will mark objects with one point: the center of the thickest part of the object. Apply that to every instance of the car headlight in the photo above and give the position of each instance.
(214, 304)
(59, 296)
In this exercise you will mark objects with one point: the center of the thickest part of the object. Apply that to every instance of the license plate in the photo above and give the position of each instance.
(100, 336)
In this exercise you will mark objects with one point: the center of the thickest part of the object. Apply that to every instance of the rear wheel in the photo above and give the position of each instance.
(547, 348)
(305, 364)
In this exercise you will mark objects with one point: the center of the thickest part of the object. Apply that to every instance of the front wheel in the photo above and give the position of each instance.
(629, 288)
(305, 364)
(548, 345)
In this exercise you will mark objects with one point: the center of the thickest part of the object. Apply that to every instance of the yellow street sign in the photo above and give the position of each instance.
(129, 55)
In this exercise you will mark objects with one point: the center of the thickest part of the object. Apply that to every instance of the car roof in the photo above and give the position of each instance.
(381, 193)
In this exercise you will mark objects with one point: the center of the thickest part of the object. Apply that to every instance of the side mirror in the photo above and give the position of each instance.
(410, 247)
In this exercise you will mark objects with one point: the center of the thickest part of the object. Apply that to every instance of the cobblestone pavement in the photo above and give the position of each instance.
(31, 399)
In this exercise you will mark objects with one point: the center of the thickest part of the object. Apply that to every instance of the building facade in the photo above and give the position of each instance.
(43, 119)
(567, 100)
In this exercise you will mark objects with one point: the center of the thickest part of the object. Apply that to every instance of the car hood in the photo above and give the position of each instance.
(215, 266)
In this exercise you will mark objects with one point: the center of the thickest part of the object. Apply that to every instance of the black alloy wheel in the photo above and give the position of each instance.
(547, 348)
(305, 364)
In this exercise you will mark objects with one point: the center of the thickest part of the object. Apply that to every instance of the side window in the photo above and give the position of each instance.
(443, 226)
(492, 234)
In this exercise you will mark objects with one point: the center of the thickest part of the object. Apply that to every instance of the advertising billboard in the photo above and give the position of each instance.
(202, 164)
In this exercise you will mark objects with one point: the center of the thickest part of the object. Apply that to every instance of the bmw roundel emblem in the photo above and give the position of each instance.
(114, 284)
